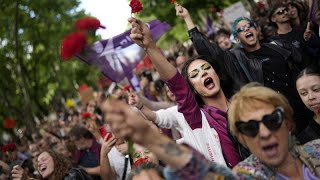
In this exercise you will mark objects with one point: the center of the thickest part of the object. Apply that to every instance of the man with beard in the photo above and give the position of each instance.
(272, 65)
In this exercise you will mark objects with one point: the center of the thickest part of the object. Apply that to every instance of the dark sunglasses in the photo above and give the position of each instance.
(282, 11)
(242, 28)
(272, 121)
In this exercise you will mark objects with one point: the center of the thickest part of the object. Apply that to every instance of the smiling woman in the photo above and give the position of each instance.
(53, 166)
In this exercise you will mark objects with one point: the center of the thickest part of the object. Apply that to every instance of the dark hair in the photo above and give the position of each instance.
(79, 131)
(158, 85)
(61, 164)
(147, 166)
(216, 67)
(271, 12)
(221, 33)
(147, 74)
(310, 70)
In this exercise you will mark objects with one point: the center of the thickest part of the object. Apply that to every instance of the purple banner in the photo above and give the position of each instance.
(117, 57)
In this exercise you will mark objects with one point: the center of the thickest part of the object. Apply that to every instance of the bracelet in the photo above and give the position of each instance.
(140, 106)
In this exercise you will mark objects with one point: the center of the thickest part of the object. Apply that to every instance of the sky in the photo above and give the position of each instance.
(112, 14)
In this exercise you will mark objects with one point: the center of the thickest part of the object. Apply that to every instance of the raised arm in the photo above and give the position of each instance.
(181, 159)
(154, 105)
(134, 100)
(200, 41)
(163, 117)
(141, 35)
(184, 14)
(185, 99)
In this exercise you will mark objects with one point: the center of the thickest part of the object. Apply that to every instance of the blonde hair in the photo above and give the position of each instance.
(248, 98)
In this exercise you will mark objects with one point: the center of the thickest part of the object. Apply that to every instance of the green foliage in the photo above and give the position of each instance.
(33, 79)
(164, 11)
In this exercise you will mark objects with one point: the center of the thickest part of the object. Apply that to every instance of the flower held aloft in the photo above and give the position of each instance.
(73, 44)
(136, 6)
(88, 23)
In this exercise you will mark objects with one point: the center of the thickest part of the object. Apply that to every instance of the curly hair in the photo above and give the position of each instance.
(61, 165)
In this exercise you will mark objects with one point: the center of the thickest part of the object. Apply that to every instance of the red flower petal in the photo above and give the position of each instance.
(136, 6)
(9, 123)
(127, 87)
(85, 115)
(88, 23)
(8, 147)
(72, 44)
(173, 1)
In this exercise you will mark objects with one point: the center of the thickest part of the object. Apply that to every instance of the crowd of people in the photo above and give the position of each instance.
(242, 103)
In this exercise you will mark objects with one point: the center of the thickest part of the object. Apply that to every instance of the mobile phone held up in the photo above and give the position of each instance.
(103, 132)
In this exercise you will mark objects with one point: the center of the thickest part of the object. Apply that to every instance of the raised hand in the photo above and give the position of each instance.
(125, 122)
(141, 34)
(134, 100)
(181, 11)
(18, 173)
(107, 144)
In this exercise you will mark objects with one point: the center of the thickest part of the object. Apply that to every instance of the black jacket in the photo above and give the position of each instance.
(237, 65)
(77, 174)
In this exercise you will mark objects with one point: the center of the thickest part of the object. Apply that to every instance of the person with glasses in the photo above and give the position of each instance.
(308, 86)
(301, 39)
(270, 64)
(260, 118)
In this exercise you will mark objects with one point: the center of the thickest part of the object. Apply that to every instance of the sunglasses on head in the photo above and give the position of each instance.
(282, 11)
(242, 28)
(272, 121)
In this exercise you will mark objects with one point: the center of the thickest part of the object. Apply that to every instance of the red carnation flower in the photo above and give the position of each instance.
(140, 161)
(88, 23)
(8, 148)
(9, 123)
(127, 87)
(85, 115)
(173, 1)
(136, 6)
(83, 87)
(72, 44)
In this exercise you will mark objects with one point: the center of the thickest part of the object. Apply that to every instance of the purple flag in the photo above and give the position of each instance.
(117, 57)
(210, 29)
(313, 7)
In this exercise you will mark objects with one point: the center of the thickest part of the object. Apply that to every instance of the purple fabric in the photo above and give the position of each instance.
(95, 148)
(312, 16)
(117, 57)
(217, 119)
(306, 175)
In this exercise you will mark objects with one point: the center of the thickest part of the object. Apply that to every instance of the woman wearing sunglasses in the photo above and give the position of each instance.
(308, 86)
(260, 118)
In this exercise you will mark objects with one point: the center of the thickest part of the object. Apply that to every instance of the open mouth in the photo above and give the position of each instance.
(208, 83)
(42, 168)
(270, 150)
(249, 35)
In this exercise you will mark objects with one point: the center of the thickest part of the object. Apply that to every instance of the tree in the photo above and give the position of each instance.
(33, 79)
